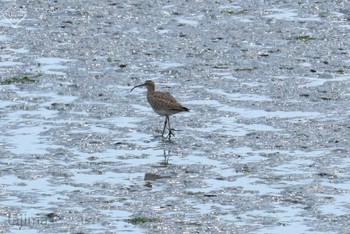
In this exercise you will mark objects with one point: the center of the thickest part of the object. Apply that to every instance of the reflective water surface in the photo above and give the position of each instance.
(264, 148)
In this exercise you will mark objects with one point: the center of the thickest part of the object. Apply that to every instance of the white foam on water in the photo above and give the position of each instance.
(289, 15)
(314, 82)
(241, 96)
(28, 125)
(167, 64)
(53, 65)
(9, 64)
(256, 113)
(191, 21)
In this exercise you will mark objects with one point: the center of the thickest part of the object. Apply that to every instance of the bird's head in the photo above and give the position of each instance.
(149, 84)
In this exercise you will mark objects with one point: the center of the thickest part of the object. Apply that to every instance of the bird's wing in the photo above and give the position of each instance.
(164, 97)
(166, 101)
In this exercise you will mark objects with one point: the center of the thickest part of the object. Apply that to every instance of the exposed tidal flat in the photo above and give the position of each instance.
(264, 148)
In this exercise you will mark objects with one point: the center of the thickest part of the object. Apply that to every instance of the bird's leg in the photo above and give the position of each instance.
(170, 132)
(165, 122)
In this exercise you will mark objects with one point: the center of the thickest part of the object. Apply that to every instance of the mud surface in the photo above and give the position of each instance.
(265, 148)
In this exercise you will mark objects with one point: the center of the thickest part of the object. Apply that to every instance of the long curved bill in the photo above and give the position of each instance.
(137, 86)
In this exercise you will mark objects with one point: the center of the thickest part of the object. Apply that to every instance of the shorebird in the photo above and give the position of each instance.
(164, 104)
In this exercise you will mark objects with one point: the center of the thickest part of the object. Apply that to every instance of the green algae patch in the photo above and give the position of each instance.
(235, 12)
(304, 38)
(141, 220)
(20, 80)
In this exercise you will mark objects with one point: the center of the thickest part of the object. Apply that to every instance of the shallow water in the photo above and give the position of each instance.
(264, 148)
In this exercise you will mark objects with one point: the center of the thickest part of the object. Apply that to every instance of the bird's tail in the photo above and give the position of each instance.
(181, 109)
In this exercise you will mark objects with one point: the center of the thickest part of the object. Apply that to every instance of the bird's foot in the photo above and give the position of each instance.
(170, 133)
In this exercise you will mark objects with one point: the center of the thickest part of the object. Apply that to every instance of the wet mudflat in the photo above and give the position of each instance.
(265, 148)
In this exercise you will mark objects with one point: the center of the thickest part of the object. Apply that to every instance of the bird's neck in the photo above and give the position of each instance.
(150, 89)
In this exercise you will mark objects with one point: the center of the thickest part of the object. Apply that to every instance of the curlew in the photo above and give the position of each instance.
(164, 104)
